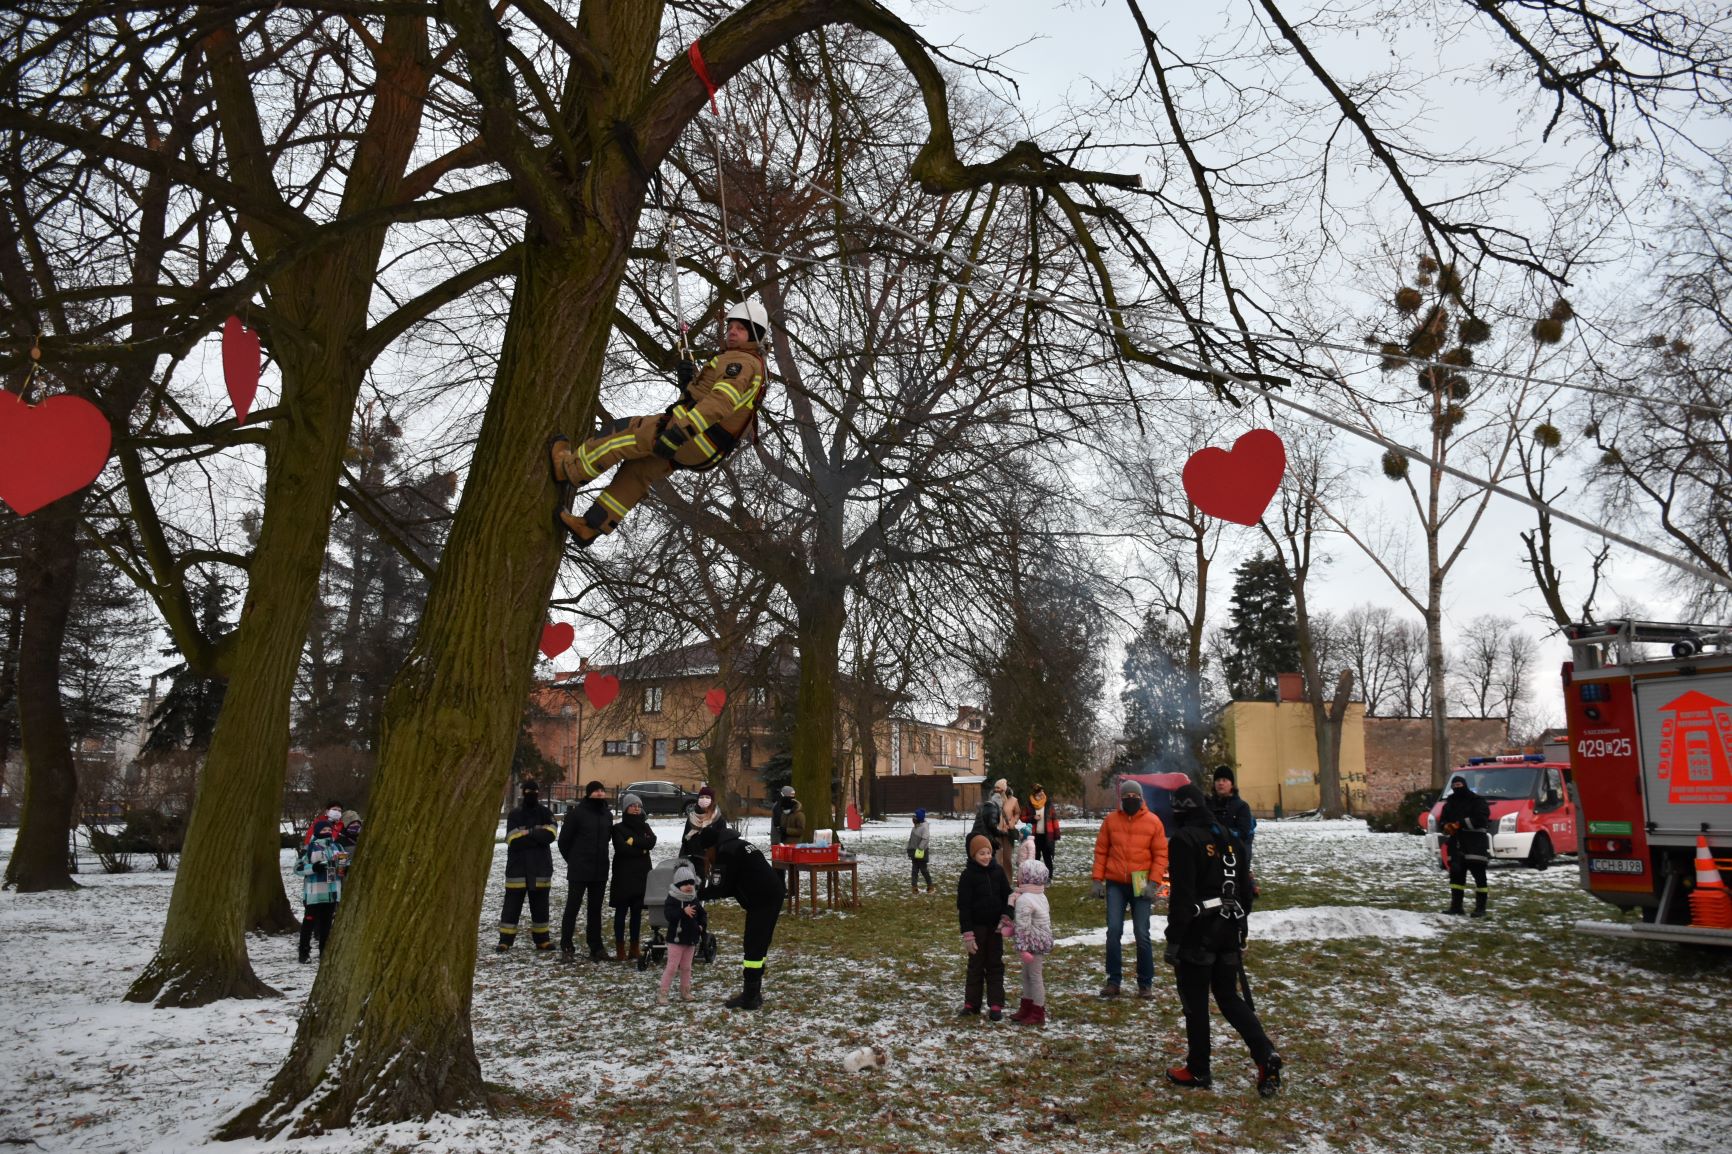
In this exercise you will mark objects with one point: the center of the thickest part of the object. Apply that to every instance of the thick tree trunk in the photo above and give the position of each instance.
(822, 614)
(46, 576)
(223, 884)
(450, 726)
(268, 908)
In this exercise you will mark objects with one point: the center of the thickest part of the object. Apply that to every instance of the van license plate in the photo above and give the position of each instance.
(1616, 865)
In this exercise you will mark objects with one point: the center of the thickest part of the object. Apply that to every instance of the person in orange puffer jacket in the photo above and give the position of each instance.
(1130, 861)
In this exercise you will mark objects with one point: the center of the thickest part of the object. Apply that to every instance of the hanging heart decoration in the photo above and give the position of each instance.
(1237, 484)
(556, 639)
(601, 689)
(715, 701)
(50, 450)
(240, 366)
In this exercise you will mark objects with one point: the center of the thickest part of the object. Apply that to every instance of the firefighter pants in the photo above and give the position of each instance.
(595, 888)
(1222, 977)
(1460, 866)
(985, 968)
(539, 923)
(630, 444)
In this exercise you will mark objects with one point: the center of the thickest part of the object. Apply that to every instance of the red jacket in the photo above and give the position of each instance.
(1128, 845)
(1051, 822)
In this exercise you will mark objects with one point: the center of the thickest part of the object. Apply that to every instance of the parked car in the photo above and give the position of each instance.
(663, 797)
(1533, 817)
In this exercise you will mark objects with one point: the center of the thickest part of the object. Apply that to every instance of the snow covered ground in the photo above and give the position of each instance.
(1404, 1029)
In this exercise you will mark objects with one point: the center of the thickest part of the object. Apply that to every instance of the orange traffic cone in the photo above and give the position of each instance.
(1710, 905)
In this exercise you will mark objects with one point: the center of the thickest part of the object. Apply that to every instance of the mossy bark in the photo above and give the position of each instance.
(320, 311)
(47, 574)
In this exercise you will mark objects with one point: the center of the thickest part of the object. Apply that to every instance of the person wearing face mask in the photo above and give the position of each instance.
(1130, 861)
(529, 834)
(1466, 821)
(1044, 822)
(633, 840)
(705, 816)
(584, 838)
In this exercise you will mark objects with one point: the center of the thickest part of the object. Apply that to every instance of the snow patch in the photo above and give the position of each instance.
(1311, 924)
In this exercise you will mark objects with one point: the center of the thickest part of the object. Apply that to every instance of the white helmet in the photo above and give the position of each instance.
(755, 317)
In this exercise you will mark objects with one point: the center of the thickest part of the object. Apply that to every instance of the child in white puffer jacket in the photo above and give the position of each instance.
(1033, 939)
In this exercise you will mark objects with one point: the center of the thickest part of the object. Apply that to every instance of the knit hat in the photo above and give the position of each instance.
(706, 791)
(322, 827)
(919, 816)
(684, 875)
(1032, 873)
(594, 787)
(1188, 798)
(350, 817)
(630, 800)
(1225, 772)
(980, 838)
(787, 791)
(1131, 789)
(1000, 786)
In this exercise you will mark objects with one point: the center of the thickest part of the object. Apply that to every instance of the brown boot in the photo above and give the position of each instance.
(634, 955)
(559, 454)
(619, 951)
(587, 528)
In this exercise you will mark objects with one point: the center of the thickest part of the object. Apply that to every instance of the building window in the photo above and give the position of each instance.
(616, 749)
(659, 753)
(688, 745)
(652, 699)
(974, 751)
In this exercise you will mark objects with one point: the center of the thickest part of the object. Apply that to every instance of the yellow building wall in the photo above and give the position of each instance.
(1274, 749)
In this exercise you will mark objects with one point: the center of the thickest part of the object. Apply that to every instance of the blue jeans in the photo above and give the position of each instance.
(1119, 896)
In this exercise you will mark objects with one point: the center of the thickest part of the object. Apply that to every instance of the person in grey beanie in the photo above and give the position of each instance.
(687, 921)
(786, 804)
(633, 839)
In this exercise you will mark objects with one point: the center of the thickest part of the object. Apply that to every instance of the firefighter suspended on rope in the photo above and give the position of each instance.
(716, 407)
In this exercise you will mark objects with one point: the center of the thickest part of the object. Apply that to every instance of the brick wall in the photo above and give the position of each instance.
(1398, 753)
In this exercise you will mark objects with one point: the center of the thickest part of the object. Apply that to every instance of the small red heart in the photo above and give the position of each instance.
(715, 701)
(556, 639)
(601, 689)
(49, 450)
(240, 366)
(1237, 485)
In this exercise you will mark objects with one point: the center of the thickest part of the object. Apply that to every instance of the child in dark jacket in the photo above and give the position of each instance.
(687, 922)
(983, 909)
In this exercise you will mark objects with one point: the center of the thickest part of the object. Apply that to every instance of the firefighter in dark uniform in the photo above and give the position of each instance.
(1466, 822)
(716, 406)
(529, 834)
(1207, 915)
(738, 870)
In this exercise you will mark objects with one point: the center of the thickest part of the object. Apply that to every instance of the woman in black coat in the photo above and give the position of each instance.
(632, 842)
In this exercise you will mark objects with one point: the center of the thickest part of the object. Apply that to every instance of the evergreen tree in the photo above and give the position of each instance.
(1264, 636)
(186, 716)
(1164, 728)
(1044, 683)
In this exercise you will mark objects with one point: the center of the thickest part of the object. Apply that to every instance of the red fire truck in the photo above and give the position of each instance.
(1650, 716)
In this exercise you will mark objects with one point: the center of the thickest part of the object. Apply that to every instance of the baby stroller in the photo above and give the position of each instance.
(655, 953)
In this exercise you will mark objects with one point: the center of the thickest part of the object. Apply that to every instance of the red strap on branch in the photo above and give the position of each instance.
(696, 56)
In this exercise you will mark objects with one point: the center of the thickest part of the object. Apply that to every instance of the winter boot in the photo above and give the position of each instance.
(1110, 990)
(305, 954)
(618, 950)
(752, 996)
(1479, 900)
(996, 1013)
(634, 954)
(968, 1011)
(1182, 1076)
(559, 454)
(1022, 1011)
(505, 941)
(1269, 1076)
(1036, 1015)
(585, 529)
(1455, 904)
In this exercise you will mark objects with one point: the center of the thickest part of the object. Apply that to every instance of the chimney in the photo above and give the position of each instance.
(1289, 687)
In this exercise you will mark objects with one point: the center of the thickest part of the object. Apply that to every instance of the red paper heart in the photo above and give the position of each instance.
(1237, 485)
(49, 450)
(240, 366)
(556, 639)
(601, 689)
(715, 701)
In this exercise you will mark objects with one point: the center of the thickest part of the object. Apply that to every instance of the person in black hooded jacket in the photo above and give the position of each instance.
(735, 868)
(1466, 822)
(632, 841)
(584, 839)
(529, 831)
(1207, 912)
